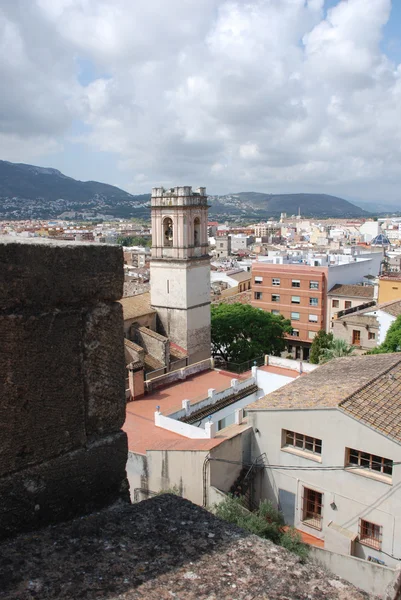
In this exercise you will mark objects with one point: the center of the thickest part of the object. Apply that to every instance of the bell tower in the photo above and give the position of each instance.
(180, 268)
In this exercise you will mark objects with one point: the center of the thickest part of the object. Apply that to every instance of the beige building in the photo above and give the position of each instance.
(365, 328)
(334, 438)
(343, 297)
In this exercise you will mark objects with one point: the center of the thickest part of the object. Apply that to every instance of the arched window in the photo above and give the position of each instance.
(167, 232)
(197, 232)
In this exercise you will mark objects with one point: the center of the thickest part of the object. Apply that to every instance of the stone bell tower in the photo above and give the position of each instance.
(180, 268)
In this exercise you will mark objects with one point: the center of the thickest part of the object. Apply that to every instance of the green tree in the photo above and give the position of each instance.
(392, 341)
(321, 341)
(241, 332)
(337, 349)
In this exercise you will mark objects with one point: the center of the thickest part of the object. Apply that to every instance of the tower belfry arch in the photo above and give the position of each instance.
(180, 268)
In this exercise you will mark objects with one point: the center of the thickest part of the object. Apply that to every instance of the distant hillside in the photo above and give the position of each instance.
(28, 192)
(316, 205)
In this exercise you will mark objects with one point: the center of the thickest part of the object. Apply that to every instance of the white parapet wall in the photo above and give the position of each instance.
(286, 363)
(185, 429)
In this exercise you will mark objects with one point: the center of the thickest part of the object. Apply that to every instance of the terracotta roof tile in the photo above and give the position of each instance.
(329, 385)
(354, 291)
(136, 306)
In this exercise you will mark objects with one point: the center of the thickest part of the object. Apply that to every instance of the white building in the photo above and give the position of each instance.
(332, 442)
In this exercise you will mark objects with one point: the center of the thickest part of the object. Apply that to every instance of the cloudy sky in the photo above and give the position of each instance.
(237, 95)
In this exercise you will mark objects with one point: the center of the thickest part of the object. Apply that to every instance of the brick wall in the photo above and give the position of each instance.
(62, 390)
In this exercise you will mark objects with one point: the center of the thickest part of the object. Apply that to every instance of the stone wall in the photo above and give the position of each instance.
(62, 382)
(153, 343)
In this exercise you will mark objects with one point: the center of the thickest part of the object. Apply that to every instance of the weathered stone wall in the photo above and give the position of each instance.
(62, 381)
(153, 343)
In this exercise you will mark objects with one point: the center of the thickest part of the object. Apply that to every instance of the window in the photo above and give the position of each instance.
(275, 298)
(313, 318)
(168, 232)
(335, 304)
(221, 245)
(370, 534)
(275, 312)
(303, 442)
(313, 301)
(347, 304)
(312, 508)
(295, 333)
(311, 335)
(313, 285)
(197, 231)
(356, 337)
(295, 300)
(369, 462)
(295, 316)
(275, 281)
(371, 335)
(296, 283)
(258, 295)
(258, 280)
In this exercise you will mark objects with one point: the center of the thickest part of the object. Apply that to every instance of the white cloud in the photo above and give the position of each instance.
(264, 93)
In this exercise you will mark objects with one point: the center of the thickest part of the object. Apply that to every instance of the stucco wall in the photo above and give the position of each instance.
(153, 343)
(354, 495)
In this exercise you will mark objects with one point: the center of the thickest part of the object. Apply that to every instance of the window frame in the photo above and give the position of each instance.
(257, 295)
(298, 441)
(312, 518)
(361, 469)
(336, 305)
(371, 335)
(298, 318)
(372, 541)
(257, 277)
(313, 285)
(275, 280)
(295, 334)
(275, 298)
(297, 283)
(345, 304)
(313, 320)
(313, 303)
(356, 339)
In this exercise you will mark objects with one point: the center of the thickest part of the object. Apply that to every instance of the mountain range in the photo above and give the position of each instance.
(28, 191)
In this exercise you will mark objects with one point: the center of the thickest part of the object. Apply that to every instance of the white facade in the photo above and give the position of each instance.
(348, 495)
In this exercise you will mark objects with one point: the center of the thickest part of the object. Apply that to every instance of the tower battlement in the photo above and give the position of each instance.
(179, 196)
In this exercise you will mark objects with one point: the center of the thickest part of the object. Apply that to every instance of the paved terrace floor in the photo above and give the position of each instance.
(140, 427)
(165, 548)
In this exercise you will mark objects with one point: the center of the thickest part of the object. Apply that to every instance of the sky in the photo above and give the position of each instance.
(275, 96)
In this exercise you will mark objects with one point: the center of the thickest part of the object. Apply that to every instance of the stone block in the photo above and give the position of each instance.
(73, 484)
(104, 369)
(40, 273)
(42, 407)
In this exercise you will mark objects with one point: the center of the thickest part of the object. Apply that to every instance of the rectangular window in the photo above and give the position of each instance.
(312, 508)
(295, 316)
(371, 335)
(296, 283)
(301, 441)
(311, 335)
(370, 534)
(313, 285)
(259, 280)
(258, 295)
(335, 304)
(295, 333)
(356, 337)
(347, 304)
(275, 298)
(168, 286)
(313, 301)
(275, 281)
(313, 318)
(275, 312)
(295, 300)
(368, 462)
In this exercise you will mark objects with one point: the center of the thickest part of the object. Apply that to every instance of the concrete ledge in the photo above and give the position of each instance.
(70, 485)
(36, 272)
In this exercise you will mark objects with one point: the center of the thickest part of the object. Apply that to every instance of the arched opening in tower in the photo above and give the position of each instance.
(197, 232)
(168, 231)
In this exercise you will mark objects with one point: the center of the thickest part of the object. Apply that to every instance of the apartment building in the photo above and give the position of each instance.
(299, 293)
(334, 438)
